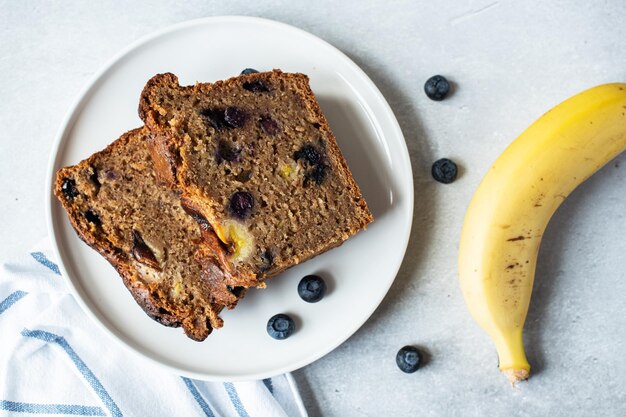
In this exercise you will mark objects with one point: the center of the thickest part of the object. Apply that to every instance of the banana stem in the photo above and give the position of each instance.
(511, 357)
(516, 375)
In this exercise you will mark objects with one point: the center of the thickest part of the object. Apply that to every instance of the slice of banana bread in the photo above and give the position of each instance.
(167, 254)
(255, 156)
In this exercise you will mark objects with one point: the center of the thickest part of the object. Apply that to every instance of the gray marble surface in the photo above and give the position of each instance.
(510, 61)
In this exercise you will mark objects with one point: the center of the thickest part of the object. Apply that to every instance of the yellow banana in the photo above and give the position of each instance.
(511, 208)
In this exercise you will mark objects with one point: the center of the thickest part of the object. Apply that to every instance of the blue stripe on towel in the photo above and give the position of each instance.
(82, 367)
(77, 410)
(11, 299)
(268, 383)
(196, 395)
(234, 398)
(41, 258)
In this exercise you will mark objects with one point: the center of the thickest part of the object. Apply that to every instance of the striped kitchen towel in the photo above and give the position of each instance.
(55, 361)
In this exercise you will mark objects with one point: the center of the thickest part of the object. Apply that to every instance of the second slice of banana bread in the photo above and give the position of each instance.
(166, 253)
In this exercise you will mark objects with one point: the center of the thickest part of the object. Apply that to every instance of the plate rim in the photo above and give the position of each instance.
(68, 121)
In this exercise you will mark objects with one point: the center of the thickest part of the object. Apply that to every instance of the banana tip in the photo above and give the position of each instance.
(516, 375)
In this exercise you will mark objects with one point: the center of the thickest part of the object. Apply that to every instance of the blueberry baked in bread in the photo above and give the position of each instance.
(167, 254)
(255, 157)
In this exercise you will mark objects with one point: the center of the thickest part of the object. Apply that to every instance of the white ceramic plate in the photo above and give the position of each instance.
(359, 273)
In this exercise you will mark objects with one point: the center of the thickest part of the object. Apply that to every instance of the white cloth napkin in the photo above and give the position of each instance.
(55, 361)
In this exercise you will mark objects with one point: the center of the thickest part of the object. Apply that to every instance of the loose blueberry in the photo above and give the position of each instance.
(269, 125)
(248, 71)
(235, 117)
(227, 151)
(437, 88)
(408, 359)
(215, 118)
(256, 86)
(241, 204)
(280, 326)
(311, 288)
(444, 170)
(309, 154)
(68, 187)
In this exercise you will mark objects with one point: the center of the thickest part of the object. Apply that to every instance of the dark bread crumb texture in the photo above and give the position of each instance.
(255, 156)
(165, 254)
